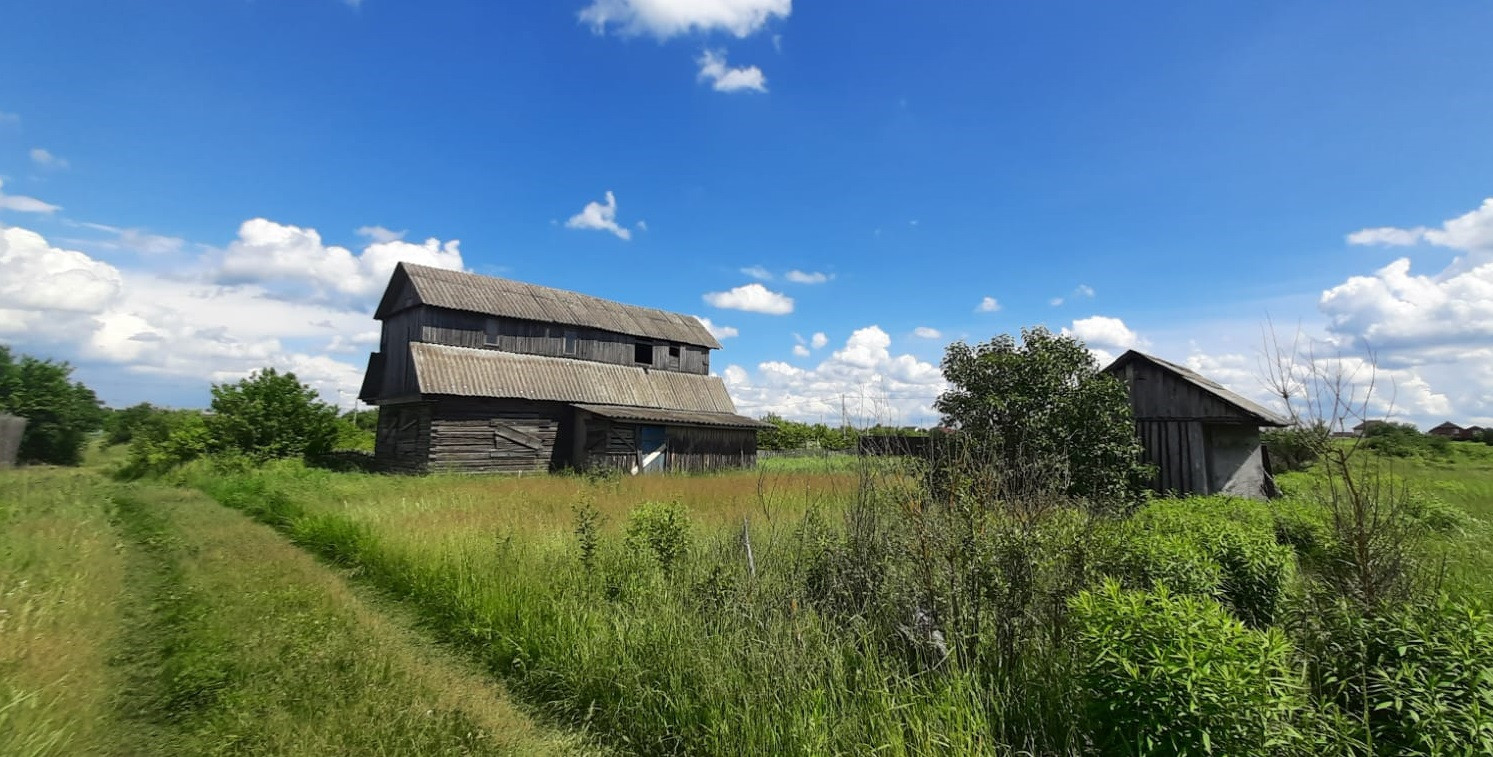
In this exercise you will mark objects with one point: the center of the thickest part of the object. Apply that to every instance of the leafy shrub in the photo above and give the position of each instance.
(59, 412)
(165, 440)
(271, 415)
(1404, 440)
(1215, 546)
(660, 529)
(1421, 675)
(1295, 448)
(1434, 513)
(1164, 673)
(1043, 405)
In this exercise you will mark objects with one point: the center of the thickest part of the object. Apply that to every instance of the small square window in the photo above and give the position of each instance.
(642, 352)
(674, 350)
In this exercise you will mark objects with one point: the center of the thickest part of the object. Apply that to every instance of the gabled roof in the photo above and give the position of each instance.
(467, 372)
(506, 298)
(1447, 426)
(1248, 407)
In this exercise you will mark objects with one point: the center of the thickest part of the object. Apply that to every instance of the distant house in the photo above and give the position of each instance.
(11, 430)
(1202, 438)
(480, 374)
(1448, 429)
(1367, 426)
(1471, 434)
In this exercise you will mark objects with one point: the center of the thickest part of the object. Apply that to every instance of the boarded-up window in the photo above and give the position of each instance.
(492, 332)
(570, 342)
(621, 439)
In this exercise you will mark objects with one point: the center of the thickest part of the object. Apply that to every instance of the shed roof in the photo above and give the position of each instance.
(669, 417)
(467, 372)
(1447, 426)
(1264, 415)
(506, 298)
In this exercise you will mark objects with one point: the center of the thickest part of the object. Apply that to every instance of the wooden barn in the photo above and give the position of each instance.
(482, 374)
(1202, 438)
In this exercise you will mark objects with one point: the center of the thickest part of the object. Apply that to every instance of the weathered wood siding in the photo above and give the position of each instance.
(473, 435)
(696, 449)
(460, 329)
(688, 449)
(1179, 452)
(402, 441)
(1156, 394)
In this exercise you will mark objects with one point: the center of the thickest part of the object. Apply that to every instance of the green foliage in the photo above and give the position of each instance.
(120, 426)
(1165, 673)
(59, 412)
(165, 440)
(1042, 407)
(1403, 440)
(271, 415)
(588, 533)
(1295, 448)
(1420, 676)
(662, 530)
(790, 435)
(365, 420)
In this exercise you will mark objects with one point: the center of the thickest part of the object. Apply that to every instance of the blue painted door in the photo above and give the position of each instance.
(651, 443)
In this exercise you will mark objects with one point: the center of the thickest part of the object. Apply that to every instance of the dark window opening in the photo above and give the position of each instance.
(570, 342)
(492, 333)
(674, 350)
(642, 352)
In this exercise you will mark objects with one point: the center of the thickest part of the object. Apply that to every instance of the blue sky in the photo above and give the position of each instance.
(184, 182)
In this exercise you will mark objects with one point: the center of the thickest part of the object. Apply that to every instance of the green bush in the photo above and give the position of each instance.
(660, 529)
(271, 415)
(165, 440)
(1042, 411)
(1215, 546)
(1420, 676)
(59, 412)
(1295, 448)
(1164, 673)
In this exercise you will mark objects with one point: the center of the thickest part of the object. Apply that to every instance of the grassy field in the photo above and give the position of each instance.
(332, 613)
(150, 620)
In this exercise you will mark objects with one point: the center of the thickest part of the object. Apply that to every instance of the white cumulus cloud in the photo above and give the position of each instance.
(600, 217)
(800, 350)
(753, 298)
(723, 78)
(818, 340)
(926, 332)
(758, 272)
(717, 331)
(988, 305)
(668, 18)
(266, 251)
(862, 379)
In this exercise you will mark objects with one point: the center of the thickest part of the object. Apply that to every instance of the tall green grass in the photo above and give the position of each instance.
(61, 578)
(631, 607)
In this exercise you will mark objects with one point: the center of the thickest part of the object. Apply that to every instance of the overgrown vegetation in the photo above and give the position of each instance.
(59, 412)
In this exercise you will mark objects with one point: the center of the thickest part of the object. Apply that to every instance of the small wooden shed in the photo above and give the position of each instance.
(1202, 438)
(12, 428)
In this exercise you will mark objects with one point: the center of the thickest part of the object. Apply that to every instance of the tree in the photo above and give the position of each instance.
(270, 415)
(121, 426)
(1041, 409)
(59, 412)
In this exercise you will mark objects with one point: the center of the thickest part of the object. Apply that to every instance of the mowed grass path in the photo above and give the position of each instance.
(150, 620)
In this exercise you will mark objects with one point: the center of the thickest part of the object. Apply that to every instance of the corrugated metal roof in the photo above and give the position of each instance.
(489, 295)
(466, 372)
(1266, 416)
(651, 415)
